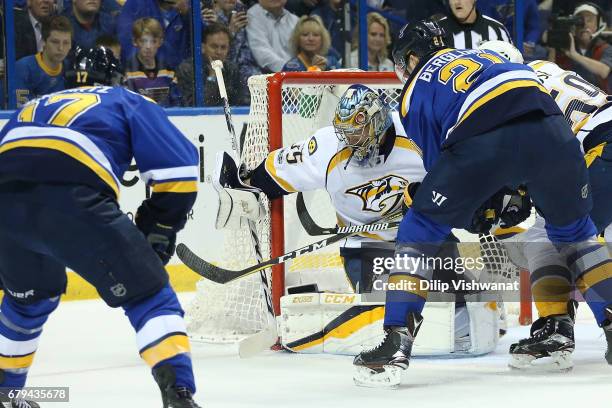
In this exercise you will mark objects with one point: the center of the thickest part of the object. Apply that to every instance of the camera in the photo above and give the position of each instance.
(561, 27)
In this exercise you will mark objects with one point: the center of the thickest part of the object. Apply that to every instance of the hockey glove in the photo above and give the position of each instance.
(409, 193)
(516, 209)
(505, 209)
(162, 238)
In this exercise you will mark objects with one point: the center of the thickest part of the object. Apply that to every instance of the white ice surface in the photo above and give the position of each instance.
(91, 349)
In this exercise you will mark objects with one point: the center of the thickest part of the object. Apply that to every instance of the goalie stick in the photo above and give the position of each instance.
(221, 275)
(265, 339)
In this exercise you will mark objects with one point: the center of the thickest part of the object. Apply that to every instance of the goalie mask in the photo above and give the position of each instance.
(360, 121)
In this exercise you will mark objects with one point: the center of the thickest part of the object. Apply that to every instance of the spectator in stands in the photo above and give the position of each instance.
(503, 11)
(110, 42)
(310, 45)
(268, 30)
(42, 73)
(28, 27)
(215, 46)
(146, 72)
(112, 7)
(416, 10)
(232, 14)
(331, 13)
(466, 27)
(302, 7)
(89, 22)
(174, 17)
(379, 39)
(589, 55)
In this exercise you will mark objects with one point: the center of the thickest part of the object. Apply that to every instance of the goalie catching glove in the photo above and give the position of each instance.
(504, 209)
(237, 201)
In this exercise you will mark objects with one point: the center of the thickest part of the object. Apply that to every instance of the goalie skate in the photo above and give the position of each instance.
(550, 346)
(383, 366)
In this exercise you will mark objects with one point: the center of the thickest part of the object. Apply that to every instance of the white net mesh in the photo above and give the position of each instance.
(224, 313)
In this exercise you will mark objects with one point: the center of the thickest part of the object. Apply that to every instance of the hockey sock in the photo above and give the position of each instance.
(551, 288)
(20, 328)
(418, 238)
(588, 261)
(551, 281)
(161, 334)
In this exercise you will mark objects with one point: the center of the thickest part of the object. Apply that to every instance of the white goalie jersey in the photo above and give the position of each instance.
(359, 194)
(578, 99)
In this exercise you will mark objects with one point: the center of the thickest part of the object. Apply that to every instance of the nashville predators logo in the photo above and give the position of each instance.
(381, 195)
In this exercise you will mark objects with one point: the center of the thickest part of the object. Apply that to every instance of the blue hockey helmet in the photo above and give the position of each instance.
(360, 121)
(419, 39)
(93, 66)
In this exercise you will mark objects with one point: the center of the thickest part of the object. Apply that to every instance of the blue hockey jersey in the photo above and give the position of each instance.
(34, 78)
(458, 94)
(90, 135)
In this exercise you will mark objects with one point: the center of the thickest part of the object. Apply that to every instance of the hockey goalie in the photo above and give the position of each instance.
(370, 170)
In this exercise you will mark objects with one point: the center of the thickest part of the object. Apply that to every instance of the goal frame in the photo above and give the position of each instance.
(275, 84)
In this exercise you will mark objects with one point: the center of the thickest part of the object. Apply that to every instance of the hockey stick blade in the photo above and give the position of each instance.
(221, 275)
(258, 342)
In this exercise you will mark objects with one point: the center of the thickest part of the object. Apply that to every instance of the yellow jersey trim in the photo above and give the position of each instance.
(338, 158)
(594, 153)
(407, 143)
(408, 92)
(176, 187)
(68, 149)
(279, 180)
(48, 70)
(500, 90)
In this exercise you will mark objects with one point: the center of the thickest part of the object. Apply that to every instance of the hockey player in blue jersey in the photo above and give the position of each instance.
(61, 159)
(482, 124)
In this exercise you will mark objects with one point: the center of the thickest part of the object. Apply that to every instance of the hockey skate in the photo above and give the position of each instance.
(608, 332)
(172, 396)
(383, 365)
(7, 402)
(552, 339)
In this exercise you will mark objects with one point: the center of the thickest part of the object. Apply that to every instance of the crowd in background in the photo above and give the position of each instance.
(152, 39)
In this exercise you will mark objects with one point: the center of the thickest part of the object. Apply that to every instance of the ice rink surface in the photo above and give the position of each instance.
(91, 349)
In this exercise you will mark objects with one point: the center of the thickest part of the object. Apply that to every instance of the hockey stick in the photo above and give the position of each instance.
(221, 275)
(260, 341)
(312, 228)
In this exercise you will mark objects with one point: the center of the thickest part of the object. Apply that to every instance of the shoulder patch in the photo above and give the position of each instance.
(312, 146)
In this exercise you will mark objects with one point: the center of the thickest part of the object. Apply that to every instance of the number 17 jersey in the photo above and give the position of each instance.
(90, 135)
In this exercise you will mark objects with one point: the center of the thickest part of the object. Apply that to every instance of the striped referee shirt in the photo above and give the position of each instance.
(470, 35)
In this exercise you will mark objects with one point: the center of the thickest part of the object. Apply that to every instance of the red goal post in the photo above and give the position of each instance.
(275, 85)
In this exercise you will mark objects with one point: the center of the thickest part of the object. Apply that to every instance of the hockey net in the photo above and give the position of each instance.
(287, 108)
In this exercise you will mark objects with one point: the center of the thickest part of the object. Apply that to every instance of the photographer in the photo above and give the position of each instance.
(587, 53)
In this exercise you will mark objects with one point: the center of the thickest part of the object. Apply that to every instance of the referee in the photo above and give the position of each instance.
(466, 27)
